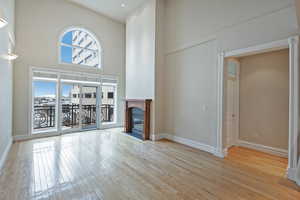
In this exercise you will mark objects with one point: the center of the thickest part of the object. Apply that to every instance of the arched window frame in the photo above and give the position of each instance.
(93, 36)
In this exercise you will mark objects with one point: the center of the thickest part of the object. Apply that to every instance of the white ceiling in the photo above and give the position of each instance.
(111, 8)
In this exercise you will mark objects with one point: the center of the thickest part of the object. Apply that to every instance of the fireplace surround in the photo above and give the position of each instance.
(137, 118)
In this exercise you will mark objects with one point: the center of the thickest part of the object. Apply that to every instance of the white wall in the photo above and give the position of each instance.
(264, 99)
(140, 52)
(6, 68)
(191, 95)
(195, 31)
(39, 24)
(236, 23)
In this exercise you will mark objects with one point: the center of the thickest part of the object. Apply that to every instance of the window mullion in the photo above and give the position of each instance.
(78, 47)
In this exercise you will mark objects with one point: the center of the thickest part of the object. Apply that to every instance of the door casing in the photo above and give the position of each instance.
(232, 104)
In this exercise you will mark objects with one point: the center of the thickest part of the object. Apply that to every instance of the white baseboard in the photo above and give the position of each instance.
(188, 142)
(157, 137)
(266, 149)
(221, 154)
(110, 125)
(292, 174)
(17, 138)
(3, 157)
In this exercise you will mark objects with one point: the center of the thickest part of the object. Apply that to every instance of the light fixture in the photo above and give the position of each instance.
(3, 21)
(123, 5)
(9, 56)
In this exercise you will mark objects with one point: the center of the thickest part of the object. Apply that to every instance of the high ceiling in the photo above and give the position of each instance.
(116, 9)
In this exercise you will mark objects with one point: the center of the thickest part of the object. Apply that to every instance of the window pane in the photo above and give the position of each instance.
(85, 57)
(89, 107)
(69, 106)
(108, 104)
(67, 39)
(84, 40)
(66, 54)
(44, 112)
(231, 69)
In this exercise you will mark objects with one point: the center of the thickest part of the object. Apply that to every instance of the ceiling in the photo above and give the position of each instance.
(111, 8)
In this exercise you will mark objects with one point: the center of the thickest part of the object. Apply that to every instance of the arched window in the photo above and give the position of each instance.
(80, 47)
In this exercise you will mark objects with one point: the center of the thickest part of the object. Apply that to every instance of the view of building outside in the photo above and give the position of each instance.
(88, 96)
(78, 47)
(108, 94)
(45, 104)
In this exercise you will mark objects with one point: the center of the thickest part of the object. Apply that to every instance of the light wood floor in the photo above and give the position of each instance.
(267, 163)
(109, 165)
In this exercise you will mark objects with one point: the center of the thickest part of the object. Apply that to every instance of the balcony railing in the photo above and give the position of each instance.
(45, 117)
(70, 115)
(107, 113)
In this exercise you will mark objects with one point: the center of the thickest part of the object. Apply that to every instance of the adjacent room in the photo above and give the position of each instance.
(257, 110)
(149, 99)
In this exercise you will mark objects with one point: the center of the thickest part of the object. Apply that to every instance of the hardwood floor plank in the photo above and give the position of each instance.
(108, 165)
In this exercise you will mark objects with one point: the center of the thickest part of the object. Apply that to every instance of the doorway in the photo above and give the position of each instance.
(293, 113)
(256, 110)
(257, 102)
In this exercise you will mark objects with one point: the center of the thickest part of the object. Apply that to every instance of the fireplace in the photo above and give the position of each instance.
(137, 118)
(137, 122)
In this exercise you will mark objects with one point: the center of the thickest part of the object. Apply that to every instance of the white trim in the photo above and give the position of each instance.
(157, 137)
(192, 143)
(292, 174)
(3, 158)
(30, 102)
(291, 43)
(17, 138)
(220, 107)
(110, 125)
(80, 82)
(45, 79)
(263, 148)
(293, 101)
(185, 141)
(297, 174)
(54, 70)
(221, 154)
(263, 48)
(189, 46)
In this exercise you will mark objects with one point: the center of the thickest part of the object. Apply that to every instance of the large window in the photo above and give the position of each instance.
(64, 102)
(79, 47)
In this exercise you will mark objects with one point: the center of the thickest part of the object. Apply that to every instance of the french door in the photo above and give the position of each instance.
(79, 105)
(65, 102)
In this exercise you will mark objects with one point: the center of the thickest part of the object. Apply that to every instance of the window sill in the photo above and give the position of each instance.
(82, 67)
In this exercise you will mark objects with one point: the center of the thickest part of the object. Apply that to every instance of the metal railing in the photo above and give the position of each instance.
(70, 115)
(45, 116)
(107, 113)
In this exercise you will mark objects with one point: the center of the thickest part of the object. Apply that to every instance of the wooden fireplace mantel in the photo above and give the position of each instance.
(143, 104)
